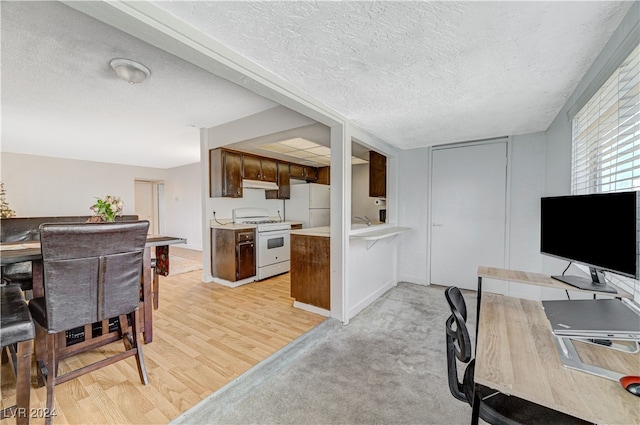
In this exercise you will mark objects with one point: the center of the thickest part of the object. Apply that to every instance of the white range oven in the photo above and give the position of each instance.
(273, 251)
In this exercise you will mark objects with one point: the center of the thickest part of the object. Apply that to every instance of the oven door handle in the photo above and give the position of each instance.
(273, 233)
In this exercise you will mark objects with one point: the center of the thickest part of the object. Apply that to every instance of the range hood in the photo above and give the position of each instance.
(257, 184)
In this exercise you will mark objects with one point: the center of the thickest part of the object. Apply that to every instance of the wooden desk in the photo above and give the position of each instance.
(30, 251)
(536, 279)
(516, 355)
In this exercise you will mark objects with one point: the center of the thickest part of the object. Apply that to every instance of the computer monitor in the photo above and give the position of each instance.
(599, 231)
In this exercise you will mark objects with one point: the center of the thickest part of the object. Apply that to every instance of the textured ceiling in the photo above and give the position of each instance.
(420, 73)
(61, 98)
(411, 73)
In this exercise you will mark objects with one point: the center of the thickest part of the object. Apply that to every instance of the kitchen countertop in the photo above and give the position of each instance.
(372, 233)
(324, 231)
(232, 226)
(227, 224)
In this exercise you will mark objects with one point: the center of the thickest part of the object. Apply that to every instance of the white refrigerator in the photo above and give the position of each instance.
(309, 203)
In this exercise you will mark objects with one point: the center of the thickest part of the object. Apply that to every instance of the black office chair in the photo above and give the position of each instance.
(91, 274)
(496, 408)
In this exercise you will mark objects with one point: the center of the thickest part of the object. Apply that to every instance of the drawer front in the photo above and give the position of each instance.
(244, 237)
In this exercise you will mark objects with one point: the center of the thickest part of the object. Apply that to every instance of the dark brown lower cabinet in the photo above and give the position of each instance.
(234, 253)
(310, 270)
(245, 260)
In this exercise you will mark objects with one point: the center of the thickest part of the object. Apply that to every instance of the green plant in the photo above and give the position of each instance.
(108, 208)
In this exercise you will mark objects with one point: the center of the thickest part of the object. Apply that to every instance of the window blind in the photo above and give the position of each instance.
(606, 134)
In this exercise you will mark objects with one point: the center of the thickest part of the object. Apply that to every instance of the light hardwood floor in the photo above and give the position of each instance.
(205, 335)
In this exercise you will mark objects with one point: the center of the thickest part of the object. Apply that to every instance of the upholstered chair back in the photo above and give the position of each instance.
(91, 271)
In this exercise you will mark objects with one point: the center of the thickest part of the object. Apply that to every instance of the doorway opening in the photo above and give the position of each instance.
(149, 204)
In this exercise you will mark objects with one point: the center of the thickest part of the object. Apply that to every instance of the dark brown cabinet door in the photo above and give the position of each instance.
(269, 170)
(323, 175)
(225, 172)
(259, 168)
(252, 168)
(284, 183)
(245, 260)
(310, 174)
(377, 175)
(296, 171)
(232, 164)
(303, 172)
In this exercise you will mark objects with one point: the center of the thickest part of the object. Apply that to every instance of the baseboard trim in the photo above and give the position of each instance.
(353, 311)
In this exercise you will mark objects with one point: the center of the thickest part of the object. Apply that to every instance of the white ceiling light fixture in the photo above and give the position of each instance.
(130, 71)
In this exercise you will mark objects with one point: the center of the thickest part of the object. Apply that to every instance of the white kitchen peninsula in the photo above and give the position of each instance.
(373, 263)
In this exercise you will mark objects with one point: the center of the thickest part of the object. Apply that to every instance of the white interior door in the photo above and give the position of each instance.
(468, 212)
(145, 203)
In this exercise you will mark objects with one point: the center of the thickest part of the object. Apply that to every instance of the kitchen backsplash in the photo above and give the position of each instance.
(251, 198)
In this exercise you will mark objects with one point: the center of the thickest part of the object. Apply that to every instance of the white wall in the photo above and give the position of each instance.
(182, 204)
(413, 211)
(254, 198)
(45, 186)
(527, 183)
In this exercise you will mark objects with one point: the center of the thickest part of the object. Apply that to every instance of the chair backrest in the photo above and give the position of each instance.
(91, 271)
(20, 229)
(458, 341)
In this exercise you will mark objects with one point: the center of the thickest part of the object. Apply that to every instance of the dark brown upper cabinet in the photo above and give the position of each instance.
(303, 172)
(377, 175)
(324, 175)
(227, 169)
(269, 170)
(284, 183)
(225, 172)
(259, 168)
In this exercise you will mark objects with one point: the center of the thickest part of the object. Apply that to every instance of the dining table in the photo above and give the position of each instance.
(29, 251)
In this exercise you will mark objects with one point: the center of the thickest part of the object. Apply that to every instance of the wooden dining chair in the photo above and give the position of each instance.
(19, 274)
(16, 337)
(495, 407)
(92, 274)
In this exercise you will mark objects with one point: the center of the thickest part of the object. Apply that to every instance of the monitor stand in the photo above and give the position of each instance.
(596, 283)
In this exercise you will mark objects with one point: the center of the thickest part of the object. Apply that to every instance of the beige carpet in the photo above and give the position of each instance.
(182, 260)
(179, 265)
